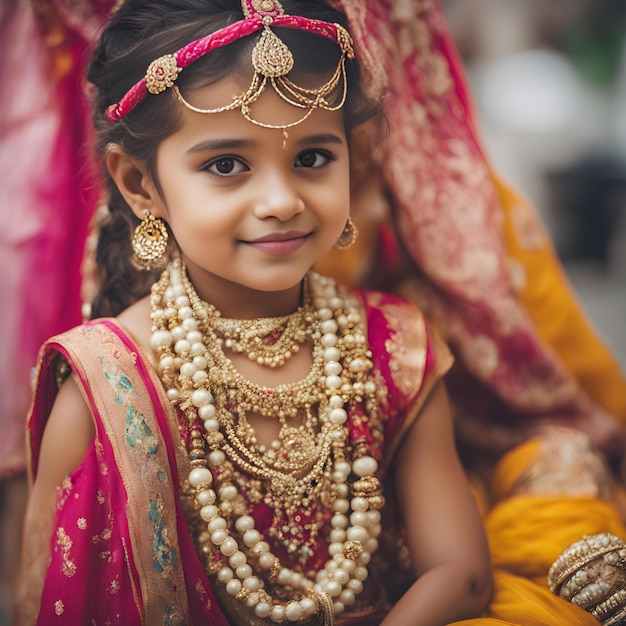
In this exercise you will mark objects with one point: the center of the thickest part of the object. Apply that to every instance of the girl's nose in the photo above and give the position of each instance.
(278, 197)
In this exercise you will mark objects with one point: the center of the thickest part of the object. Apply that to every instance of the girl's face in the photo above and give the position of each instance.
(251, 210)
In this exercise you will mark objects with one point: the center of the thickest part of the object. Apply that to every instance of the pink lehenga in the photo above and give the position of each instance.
(122, 548)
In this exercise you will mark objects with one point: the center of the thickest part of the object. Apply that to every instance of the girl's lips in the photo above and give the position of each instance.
(280, 243)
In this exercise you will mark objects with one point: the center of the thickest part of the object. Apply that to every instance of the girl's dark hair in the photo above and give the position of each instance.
(139, 32)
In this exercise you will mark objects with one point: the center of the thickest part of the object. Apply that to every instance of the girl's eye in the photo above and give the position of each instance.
(225, 166)
(313, 159)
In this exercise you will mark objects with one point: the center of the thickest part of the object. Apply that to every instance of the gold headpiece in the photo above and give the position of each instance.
(271, 58)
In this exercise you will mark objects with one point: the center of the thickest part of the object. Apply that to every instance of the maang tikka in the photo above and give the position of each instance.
(271, 58)
(149, 242)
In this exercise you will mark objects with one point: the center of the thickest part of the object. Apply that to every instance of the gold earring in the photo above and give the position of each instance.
(348, 236)
(149, 241)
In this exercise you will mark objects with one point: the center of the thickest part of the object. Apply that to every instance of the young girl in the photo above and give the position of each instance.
(241, 440)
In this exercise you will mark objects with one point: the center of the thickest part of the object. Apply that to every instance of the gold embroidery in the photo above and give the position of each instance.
(144, 476)
(567, 463)
(406, 347)
(114, 587)
(139, 435)
(81, 522)
(64, 543)
(63, 492)
(106, 533)
(59, 607)
(201, 591)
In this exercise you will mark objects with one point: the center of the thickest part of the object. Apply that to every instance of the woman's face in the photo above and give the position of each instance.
(252, 209)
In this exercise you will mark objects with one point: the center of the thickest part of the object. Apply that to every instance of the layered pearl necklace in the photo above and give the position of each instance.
(325, 468)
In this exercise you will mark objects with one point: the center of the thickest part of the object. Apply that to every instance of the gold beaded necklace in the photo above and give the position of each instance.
(307, 471)
(268, 341)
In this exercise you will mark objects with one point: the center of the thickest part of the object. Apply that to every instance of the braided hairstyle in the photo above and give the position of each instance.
(139, 32)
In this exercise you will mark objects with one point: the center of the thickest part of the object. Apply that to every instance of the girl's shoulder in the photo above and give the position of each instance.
(395, 313)
(99, 359)
(407, 349)
(132, 327)
(89, 351)
(136, 323)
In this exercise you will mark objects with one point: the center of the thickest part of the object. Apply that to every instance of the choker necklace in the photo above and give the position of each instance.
(312, 468)
(268, 341)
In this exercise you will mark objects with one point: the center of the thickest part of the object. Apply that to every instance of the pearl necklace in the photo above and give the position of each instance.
(184, 365)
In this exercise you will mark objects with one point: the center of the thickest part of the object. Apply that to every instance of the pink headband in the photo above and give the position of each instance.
(259, 14)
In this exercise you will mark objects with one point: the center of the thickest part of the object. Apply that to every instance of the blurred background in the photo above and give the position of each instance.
(549, 84)
(548, 79)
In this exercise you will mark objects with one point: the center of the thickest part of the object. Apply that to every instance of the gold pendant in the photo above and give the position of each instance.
(271, 57)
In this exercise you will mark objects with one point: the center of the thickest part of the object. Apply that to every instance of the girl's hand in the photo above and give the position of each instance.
(443, 526)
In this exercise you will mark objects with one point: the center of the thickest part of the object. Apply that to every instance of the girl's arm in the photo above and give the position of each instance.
(67, 436)
(444, 530)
